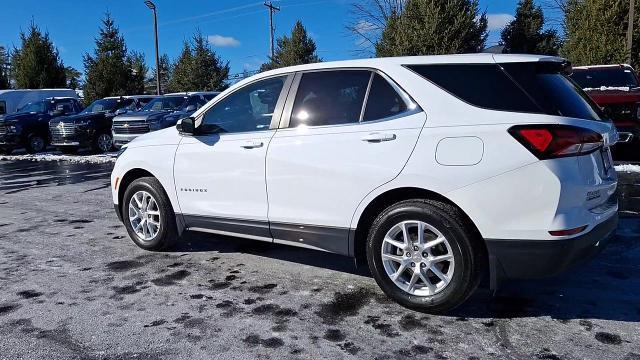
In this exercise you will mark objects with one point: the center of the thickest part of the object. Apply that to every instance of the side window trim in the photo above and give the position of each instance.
(412, 106)
(277, 112)
(366, 97)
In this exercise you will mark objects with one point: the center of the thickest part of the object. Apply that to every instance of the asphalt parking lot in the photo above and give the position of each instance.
(72, 285)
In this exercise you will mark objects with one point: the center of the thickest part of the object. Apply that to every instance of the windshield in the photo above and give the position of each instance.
(36, 107)
(104, 105)
(164, 103)
(613, 77)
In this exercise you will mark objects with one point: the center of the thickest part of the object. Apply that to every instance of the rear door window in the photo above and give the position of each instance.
(330, 97)
(383, 100)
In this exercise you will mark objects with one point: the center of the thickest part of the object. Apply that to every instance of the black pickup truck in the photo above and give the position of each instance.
(29, 127)
(92, 127)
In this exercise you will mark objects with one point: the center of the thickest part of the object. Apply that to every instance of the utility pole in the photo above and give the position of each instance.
(152, 7)
(272, 9)
(632, 10)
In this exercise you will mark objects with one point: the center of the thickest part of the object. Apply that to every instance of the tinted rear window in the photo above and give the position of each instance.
(482, 85)
(520, 87)
(553, 91)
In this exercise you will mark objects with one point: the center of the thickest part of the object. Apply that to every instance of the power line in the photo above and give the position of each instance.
(272, 9)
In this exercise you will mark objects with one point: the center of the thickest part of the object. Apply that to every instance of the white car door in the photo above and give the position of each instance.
(220, 172)
(345, 133)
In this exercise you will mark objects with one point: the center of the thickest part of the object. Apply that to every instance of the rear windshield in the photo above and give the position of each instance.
(518, 87)
(610, 77)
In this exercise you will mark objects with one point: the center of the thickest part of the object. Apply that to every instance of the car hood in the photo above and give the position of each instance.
(141, 115)
(168, 136)
(606, 97)
(80, 117)
(15, 117)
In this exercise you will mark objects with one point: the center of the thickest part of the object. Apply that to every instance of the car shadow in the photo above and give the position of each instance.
(606, 288)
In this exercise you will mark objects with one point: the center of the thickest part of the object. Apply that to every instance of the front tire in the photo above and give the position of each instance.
(424, 255)
(148, 216)
(35, 144)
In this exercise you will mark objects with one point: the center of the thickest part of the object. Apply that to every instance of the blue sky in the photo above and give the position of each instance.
(238, 30)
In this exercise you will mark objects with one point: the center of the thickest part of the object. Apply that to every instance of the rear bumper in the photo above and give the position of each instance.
(526, 259)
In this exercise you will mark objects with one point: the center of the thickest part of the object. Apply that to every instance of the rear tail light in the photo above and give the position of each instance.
(555, 141)
(568, 232)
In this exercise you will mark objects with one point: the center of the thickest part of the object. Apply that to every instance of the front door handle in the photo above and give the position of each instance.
(379, 137)
(252, 144)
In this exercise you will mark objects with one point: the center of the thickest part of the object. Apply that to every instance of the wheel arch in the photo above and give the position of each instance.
(130, 176)
(388, 198)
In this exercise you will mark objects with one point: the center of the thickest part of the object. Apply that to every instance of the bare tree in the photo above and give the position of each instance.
(369, 18)
(556, 10)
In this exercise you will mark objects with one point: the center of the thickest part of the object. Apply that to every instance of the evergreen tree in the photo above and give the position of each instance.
(165, 76)
(208, 72)
(297, 49)
(36, 64)
(198, 68)
(4, 76)
(180, 79)
(139, 69)
(431, 27)
(73, 77)
(108, 71)
(596, 31)
(525, 34)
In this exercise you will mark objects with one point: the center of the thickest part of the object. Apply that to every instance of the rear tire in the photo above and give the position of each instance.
(156, 209)
(35, 144)
(447, 273)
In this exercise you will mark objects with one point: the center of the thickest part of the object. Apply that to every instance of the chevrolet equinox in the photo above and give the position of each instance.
(436, 170)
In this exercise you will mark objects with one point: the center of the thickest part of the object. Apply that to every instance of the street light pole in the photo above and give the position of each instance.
(152, 6)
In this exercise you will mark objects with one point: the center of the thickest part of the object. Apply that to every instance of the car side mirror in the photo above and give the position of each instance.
(186, 126)
(190, 108)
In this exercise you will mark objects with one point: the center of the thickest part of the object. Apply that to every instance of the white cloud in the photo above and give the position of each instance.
(223, 41)
(364, 26)
(498, 21)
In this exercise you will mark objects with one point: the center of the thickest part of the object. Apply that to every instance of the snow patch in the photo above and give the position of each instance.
(628, 168)
(77, 159)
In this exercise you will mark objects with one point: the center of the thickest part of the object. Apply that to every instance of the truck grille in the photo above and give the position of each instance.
(3, 129)
(130, 127)
(62, 129)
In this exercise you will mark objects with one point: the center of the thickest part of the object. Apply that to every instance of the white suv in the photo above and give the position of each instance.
(436, 170)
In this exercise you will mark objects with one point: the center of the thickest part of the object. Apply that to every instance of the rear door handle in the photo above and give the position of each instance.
(252, 144)
(379, 137)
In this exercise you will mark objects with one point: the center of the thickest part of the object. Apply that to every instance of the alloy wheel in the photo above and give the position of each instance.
(105, 142)
(144, 216)
(418, 258)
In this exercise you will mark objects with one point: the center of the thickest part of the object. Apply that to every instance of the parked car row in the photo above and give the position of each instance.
(105, 123)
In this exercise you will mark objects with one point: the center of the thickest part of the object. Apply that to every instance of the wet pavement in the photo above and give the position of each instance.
(72, 285)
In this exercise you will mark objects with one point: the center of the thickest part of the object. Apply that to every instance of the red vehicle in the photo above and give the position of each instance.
(616, 90)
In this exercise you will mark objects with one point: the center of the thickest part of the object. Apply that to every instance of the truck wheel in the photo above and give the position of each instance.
(148, 215)
(103, 143)
(423, 254)
(35, 144)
